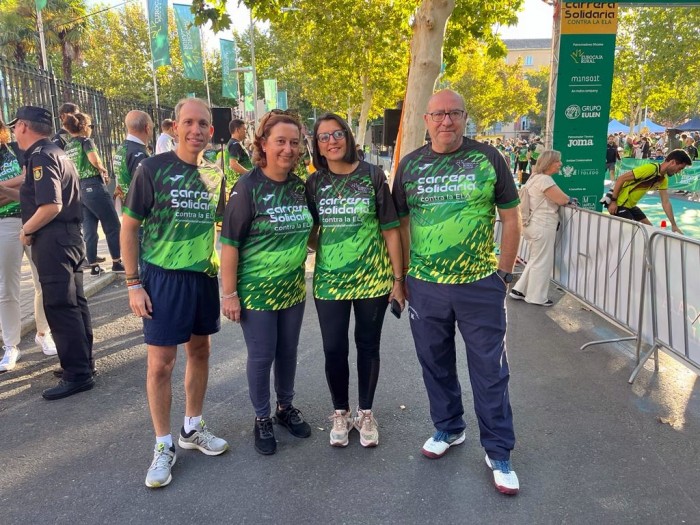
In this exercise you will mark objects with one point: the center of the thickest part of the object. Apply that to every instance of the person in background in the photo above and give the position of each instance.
(358, 267)
(132, 151)
(263, 248)
(690, 149)
(541, 230)
(62, 136)
(236, 155)
(612, 155)
(11, 251)
(166, 139)
(97, 203)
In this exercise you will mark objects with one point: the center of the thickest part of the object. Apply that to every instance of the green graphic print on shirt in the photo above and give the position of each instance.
(177, 203)
(451, 199)
(77, 150)
(269, 222)
(9, 169)
(352, 261)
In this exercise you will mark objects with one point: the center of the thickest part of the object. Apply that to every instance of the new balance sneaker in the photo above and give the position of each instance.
(292, 420)
(265, 442)
(504, 477)
(342, 424)
(118, 267)
(366, 425)
(440, 443)
(515, 294)
(46, 342)
(159, 474)
(201, 439)
(9, 360)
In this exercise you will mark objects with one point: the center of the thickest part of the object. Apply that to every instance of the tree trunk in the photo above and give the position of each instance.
(367, 95)
(426, 58)
(67, 62)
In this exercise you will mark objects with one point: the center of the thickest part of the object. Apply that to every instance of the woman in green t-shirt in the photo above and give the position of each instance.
(97, 203)
(263, 248)
(358, 267)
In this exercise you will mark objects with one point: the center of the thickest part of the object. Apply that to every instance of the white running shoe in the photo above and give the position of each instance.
(366, 425)
(439, 444)
(9, 360)
(504, 477)
(158, 474)
(47, 344)
(342, 424)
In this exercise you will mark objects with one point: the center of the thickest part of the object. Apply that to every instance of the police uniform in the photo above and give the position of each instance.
(58, 253)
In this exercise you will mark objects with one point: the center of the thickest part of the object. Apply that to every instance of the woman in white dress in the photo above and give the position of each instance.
(541, 231)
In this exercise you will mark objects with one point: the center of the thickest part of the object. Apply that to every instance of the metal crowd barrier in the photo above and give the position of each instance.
(674, 296)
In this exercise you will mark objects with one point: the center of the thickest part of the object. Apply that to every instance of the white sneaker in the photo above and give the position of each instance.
(47, 344)
(440, 443)
(366, 425)
(9, 360)
(504, 477)
(159, 473)
(342, 424)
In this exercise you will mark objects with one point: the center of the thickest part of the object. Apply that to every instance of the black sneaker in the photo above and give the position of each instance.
(292, 419)
(118, 267)
(95, 269)
(265, 442)
(515, 294)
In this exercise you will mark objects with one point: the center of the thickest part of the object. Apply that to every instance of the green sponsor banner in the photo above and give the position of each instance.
(229, 84)
(248, 90)
(270, 93)
(158, 30)
(190, 43)
(686, 180)
(40, 4)
(584, 86)
(282, 100)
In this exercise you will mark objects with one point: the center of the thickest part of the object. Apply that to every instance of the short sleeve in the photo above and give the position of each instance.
(141, 196)
(238, 215)
(311, 185)
(505, 190)
(47, 180)
(398, 193)
(544, 182)
(235, 150)
(89, 146)
(386, 210)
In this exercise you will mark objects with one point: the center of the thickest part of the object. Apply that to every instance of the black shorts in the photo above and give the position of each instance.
(184, 304)
(633, 213)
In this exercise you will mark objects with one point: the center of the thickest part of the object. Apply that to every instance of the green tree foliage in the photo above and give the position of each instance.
(655, 65)
(539, 80)
(493, 90)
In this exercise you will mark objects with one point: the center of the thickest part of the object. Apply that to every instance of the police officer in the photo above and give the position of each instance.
(51, 215)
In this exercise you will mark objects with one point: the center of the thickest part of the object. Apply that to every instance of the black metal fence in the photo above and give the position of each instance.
(26, 85)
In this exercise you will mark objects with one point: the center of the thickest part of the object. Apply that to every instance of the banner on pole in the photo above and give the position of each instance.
(158, 31)
(584, 86)
(270, 93)
(282, 100)
(40, 4)
(190, 43)
(248, 90)
(229, 83)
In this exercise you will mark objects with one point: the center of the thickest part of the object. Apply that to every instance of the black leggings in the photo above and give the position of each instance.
(334, 318)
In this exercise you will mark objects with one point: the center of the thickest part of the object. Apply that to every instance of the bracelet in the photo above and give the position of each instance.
(132, 277)
(400, 278)
(230, 295)
(133, 281)
(134, 287)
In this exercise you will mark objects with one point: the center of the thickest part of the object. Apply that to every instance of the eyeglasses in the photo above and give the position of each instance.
(338, 134)
(439, 116)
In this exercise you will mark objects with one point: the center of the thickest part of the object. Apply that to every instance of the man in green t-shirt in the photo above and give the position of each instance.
(130, 153)
(630, 187)
(176, 196)
(446, 195)
(236, 158)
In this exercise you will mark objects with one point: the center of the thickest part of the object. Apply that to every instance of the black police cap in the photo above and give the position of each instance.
(32, 114)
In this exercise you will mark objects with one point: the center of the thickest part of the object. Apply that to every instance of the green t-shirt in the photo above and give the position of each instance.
(77, 149)
(9, 169)
(128, 155)
(269, 222)
(177, 203)
(522, 154)
(235, 150)
(646, 178)
(451, 200)
(352, 261)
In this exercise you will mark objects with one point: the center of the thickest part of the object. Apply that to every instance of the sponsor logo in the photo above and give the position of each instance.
(190, 199)
(579, 142)
(572, 112)
(568, 171)
(581, 57)
(575, 111)
(423, 167)
(176, 178)
(138, 154)
(268, 197)
(326, 187)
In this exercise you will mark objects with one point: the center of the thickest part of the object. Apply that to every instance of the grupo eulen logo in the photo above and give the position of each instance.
(573, 112)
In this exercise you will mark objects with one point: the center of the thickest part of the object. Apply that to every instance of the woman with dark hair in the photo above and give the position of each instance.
(264, 236)
(11, 251)
(541, 230)
(358, 267)
(96, 201)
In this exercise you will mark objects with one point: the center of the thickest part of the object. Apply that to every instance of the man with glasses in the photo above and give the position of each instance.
(446, 195)
(51, 217)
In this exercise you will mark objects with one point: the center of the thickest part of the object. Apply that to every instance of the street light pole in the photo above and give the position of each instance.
(255, 74)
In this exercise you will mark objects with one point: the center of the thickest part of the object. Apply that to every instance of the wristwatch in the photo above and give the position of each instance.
(507, 277)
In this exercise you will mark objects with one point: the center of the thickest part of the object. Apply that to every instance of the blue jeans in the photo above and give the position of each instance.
(478, 310)
(98, 206)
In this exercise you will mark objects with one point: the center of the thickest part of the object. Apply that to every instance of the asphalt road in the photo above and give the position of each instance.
(591, 448)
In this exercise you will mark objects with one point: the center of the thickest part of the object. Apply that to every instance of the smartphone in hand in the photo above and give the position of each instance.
(395, 308)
